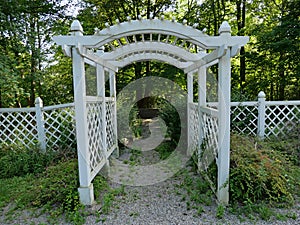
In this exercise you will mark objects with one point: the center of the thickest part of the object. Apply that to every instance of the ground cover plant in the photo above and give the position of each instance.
(30, 179)
(264, 175)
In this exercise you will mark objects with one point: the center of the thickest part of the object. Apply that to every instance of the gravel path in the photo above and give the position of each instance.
(160, 204)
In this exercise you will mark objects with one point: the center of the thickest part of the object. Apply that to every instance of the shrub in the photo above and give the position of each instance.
(58, 186)
(259, 173)
(19, 161)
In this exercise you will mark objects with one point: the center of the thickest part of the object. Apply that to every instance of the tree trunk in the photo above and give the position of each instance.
(241, 20)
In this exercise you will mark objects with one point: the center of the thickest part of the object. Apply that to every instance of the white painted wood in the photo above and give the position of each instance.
(148, 46)
(224, 76)
(40, 123)
(151, 56)
(61, 106)
(209, 111)
(101, 93)
(190, 81)
(85, 190)
(261, 114)
(155, 27)
(202, 76)
(95, 58)
(113, 94)
(212, 57)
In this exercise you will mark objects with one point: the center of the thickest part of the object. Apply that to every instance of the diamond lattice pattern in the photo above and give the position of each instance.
(244, 119)
(95, 134)
(211, 146)
(193, 127)
(281, 119)
(60, 127)
(18, 128)
(111, 139)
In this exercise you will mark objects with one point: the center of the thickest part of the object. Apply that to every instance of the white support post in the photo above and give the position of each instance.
(201, 103)
(190, 81)
(261, 114)
(113, 94)
(112, 84)
(101, 93)
(224, 120)
(86, 191)
(40, 123)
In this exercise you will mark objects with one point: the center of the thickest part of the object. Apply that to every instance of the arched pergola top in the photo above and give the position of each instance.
(132, 29)
(152, 39)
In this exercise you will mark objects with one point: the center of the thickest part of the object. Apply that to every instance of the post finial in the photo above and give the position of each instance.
(38, 101)
(261, 94)
(225, 28)
(76, 26)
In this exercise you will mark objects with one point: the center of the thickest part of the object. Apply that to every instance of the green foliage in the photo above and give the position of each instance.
(196, 191)
(172, 120)
(25, 34)
(260, 173)
(20, 161)
(105, 194)
(59, 186)
(165, 149)
(47, 180)
(220, 211)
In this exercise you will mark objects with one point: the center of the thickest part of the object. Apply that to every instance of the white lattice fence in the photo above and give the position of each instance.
(111, 139)
(21, 126)
(210, 139)
(209, 128)
(244, 117)
(18, 126)
(95, 135)
(282, 118)
(193, 127)
(60, 126)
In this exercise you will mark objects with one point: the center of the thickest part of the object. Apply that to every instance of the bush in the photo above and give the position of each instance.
(58, 186)
(19, 161)
(260, 173)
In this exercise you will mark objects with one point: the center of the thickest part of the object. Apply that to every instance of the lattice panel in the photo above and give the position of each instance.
(60, 127)
(18, 128)
(94, 124)
(211, 146)
(281, 119)
(193, 127)
(111, 139)
(244, 119)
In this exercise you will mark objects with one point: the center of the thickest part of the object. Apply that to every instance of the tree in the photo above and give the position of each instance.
(25, 36)
(273, 64)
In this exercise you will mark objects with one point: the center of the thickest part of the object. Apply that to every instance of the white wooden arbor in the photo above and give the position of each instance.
(178, 44)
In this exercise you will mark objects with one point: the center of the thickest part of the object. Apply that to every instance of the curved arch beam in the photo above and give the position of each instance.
(151, 26)
(148, 46)
(150, 56)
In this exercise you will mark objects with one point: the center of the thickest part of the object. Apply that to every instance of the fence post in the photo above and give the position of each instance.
(40, 123)
(190, 80)
(261, 114)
